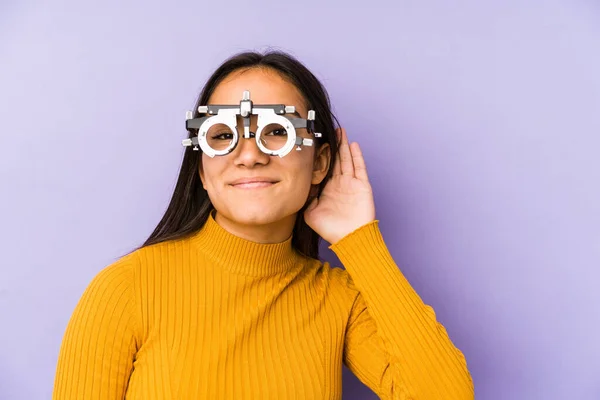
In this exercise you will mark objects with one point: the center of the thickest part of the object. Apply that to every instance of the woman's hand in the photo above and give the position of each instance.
(346, 202)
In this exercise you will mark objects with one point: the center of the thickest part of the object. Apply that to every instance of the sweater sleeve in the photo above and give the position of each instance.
(97, 353)
(394, 343)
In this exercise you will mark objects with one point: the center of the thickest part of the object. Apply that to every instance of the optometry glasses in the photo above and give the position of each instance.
(217, 132)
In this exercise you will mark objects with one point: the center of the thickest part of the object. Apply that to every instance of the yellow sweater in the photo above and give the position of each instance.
(214, 316)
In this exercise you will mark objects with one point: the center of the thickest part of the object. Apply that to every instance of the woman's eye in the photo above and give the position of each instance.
(278, 132)
(223, 136)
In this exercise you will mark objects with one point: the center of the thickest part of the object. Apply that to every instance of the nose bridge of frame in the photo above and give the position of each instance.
(253, 124)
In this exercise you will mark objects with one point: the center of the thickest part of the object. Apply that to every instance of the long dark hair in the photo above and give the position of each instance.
(190, 205)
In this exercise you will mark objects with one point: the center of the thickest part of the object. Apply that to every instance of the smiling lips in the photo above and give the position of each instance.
(253, 183)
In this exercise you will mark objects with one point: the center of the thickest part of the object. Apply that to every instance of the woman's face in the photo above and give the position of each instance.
(261, 212)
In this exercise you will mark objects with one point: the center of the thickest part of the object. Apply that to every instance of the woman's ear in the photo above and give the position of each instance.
(321, 164)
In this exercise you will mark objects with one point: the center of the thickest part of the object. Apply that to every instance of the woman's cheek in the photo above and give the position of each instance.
(302, 189)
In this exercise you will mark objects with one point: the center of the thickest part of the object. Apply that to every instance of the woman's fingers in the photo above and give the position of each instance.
(337, 167)
(347, 167)
(360, 168)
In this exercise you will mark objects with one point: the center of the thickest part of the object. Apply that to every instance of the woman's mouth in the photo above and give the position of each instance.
(254, 185)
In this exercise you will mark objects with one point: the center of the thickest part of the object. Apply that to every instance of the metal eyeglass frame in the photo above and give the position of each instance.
(267, 114)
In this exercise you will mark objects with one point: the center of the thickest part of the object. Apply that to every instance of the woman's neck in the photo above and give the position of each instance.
(275, 232)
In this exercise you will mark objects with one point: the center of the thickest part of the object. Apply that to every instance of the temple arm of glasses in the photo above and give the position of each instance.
(309, 124)
(194, 123)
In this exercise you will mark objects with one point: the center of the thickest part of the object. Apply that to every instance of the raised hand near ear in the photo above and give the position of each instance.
(346, 203)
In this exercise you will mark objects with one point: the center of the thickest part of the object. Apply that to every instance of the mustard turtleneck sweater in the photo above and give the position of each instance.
(214, 316)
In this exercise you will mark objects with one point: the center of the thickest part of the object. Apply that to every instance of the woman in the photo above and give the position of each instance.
(227, 298)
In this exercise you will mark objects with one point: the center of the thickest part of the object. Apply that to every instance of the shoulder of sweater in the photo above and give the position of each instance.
(342, 278)
(134, 259)
(152, 256)
(125, 263)
(335, 278)
(116, 276)
(126, 272)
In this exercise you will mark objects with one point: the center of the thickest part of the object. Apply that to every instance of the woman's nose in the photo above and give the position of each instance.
(247, 152)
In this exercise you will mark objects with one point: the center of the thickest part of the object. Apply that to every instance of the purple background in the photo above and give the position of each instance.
(479, 122)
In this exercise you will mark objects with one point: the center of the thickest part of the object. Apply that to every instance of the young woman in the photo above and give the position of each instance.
(227, 299)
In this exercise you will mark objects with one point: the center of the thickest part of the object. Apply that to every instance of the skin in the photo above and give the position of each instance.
(263, 215)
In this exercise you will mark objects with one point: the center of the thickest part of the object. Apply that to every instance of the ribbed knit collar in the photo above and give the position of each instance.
(241, 256)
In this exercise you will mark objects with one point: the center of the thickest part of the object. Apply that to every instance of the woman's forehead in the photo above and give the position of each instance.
(265, 88)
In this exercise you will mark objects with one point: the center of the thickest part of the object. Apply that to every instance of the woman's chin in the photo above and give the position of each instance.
(252, 215)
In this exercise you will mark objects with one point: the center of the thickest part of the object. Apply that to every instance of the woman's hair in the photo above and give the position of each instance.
(190, 205)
